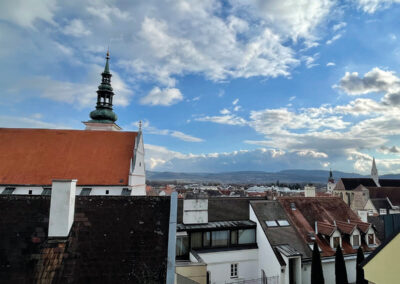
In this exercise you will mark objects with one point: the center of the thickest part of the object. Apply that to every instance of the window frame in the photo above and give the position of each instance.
(235, 270)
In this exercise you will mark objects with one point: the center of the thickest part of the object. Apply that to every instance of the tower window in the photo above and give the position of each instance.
(30, 192)
(107, 191)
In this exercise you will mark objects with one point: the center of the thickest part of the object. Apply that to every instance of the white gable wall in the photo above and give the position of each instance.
(137, 175)
(267, 260)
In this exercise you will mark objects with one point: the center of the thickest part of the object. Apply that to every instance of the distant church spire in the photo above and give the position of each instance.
(374, 173)
(331, 176)
(103, 117)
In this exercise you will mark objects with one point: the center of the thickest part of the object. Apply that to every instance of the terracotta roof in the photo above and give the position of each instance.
(37, 156)
(325, 228)
(325, 211)
(346, 227)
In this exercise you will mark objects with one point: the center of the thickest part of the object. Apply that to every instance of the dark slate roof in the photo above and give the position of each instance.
(217, 225)
(272, 210)
(353, 183)
(109, 241)
(224, 208)
(381, 203)
(393, 193)
(379, 225)
(287, 250)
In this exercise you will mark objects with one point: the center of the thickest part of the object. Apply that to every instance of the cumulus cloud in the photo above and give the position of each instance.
(330, 64)
(162, 97)
(162, 159)
(376, 80)
(389, 150)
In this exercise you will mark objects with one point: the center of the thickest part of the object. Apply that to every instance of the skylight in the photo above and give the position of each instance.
(283, 223)
(271, 223)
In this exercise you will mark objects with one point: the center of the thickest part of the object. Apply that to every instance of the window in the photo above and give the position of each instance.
(46, 191)
(370, 212)
(271, 223)
(283, 223)
(247, 236)
(382, 211)
(371, 239)
(107, 191)
(293, 206)
(219, 238)
(30, 192)
(234, 237)
(206, 239)
(356, 240)
(85, 191)
(182, 243)
(195, 240)
(336, 242)
(126, 192)
(8, 190)
(234, 270)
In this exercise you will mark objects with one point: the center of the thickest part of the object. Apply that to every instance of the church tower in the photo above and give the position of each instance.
(103, 117)
(374, 173)
(331, 182)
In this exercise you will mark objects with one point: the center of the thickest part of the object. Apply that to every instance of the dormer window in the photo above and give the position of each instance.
(336, 239)
(356, 240)
(371, 239)
(336, 242)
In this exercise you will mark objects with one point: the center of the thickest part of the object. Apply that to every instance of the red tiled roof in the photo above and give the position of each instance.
(345, 227)
(362, 226)
(325, 228)
(324, 211)
(37, 156)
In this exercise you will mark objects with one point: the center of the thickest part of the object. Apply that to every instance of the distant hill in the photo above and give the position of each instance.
(257, 177)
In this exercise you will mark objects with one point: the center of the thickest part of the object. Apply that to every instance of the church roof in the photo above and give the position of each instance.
(353, 183)
(37, 156)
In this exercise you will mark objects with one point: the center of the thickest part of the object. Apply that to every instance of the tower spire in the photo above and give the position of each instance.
(374, 173)
(103, 115)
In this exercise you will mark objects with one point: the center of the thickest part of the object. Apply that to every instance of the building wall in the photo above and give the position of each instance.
(96, 190)
(384, 267)
(219, 265)
(328, 267)
(267, 260)
(137, 176)
(196, 272)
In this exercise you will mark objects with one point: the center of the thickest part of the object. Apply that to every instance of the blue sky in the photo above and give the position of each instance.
(219, 85)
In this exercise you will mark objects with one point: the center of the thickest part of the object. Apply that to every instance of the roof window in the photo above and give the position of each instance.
(271, 223)
(85, 191)
(8, 190)
(126, 192)
(283, 223)
(292, 206)
(46, 191)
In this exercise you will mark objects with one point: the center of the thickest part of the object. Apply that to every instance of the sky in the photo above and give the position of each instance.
(220, 86)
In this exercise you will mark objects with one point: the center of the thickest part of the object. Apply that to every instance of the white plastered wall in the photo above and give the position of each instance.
(219, 265)
(137, 175)
(267, 260)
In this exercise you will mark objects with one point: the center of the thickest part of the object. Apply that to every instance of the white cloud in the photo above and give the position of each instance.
(312, 153)
(77, 94)
(371, 6)
(26, 12)
(225, 111)
(376, 80)
(333, 39)
(185, 137)
(163, 97)
(292, 98)
(237, 108)
(28, 122)
(147, 128)
(339, 26)
(330, 64)
(76, 28)
(229, 119)
(235, 101)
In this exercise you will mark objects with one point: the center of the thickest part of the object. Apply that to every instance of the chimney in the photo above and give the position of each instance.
(62, 207)
(195, 210)
(309, 191)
